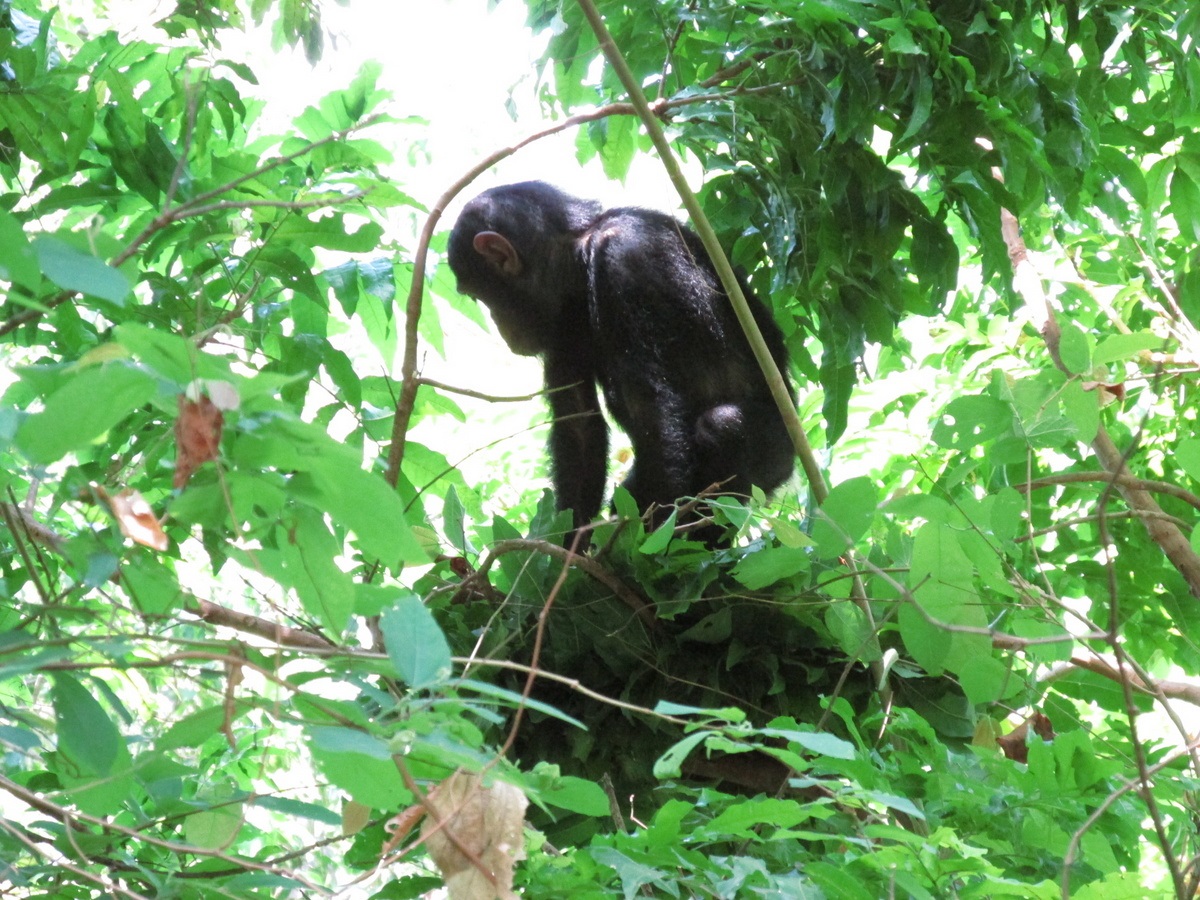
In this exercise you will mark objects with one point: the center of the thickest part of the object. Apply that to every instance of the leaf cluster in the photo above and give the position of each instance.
(965, 674)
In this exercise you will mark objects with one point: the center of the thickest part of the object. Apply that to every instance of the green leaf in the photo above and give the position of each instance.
(969, 421)
(845, 516)
(849, 627)
(670, 764)
(74, 270)
(153, 586)
(1185, 202)
(335, 484)
(18, 262)
(577, 795)
(415, 643)
(744, 819)
(1075, 349)
(197, 727)
(1083, 409)
(1187, 455)
(817, 742)
(1121, 347)
(360, 765)
(213, 829)
(94, 399)
(770, 565)
(330, 231)
(714, 628)
(299, 809)
(1008, 511)
(93, 763)
(617, 143)
(85, 732)
(658, 539)
(985, 679)
(310, 554)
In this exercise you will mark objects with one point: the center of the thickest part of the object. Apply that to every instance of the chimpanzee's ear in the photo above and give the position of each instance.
(496, 249)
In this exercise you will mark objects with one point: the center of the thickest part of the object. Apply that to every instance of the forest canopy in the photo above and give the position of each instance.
(285, 608)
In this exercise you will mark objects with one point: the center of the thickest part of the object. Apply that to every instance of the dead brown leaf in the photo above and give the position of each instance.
(197, 436)
(136, 519)
(475, 834)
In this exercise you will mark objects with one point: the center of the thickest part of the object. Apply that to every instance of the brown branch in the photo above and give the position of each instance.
(1125, 480)
(479, 395)
(246, 623)
(631, 598)
(1169, 538)
(20, 523)
(134, 834)
(1171, 690)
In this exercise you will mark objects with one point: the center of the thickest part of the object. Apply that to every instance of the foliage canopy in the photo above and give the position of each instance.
(251, 629)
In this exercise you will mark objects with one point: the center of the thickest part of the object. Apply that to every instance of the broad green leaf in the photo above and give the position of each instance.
(213, 829)
(670, 764)
(577, 795)
(1187, 454)
(169, 355)
(745, 818)
(93, 762)
(1007, 513)
(817, 742)
(197, 727)
(85, 732)
(969, 421)
(299, 809)
(1120, 347)
(1082, 409)
(894, 801)
(153, 586)
(331, 232)
(731, 714)
(74, 270)
(18, 262)
(1185, 202)
(415, 643)
(1075, 349)
(617, 143)
(310, 554)
(770, 565)
(94, 399)
(845, 516)
(985, 679)
(657, 540)
(849, 627)
(360, 765)
(453, 515)
(714, 628)
(337, 485)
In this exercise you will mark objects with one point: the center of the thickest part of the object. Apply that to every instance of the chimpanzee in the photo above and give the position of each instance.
(628, 298)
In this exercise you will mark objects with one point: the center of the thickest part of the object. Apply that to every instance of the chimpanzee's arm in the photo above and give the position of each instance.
(578, 438)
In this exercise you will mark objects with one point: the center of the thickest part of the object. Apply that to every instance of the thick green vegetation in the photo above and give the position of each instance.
(251, 630)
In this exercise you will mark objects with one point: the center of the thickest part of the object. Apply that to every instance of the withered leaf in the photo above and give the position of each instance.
(197, 436)
(488, 823)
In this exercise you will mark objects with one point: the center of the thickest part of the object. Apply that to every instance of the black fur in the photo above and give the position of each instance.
(628, 299)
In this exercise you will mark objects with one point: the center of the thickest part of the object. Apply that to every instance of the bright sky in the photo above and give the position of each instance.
(457, 65)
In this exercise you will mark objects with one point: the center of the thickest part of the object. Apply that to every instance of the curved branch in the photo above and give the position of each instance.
(1120, 480)
(631, 598)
